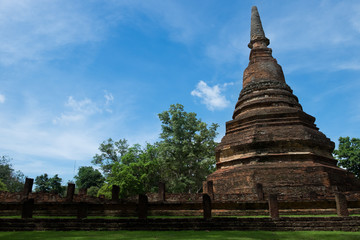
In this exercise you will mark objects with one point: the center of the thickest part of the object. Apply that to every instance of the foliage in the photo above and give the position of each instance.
(348, 154)
(139, 171)
(187, 149)
(105, 190)
(13, 180)
(136, 172)
(42, 183)
(111, 152)
(182, 159)
(46, 184)
(93, 191)
(88, 177)
(55, 184)
(2, 186)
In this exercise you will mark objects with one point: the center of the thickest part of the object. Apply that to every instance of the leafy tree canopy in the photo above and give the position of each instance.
(348, 154)
(13, 180)
(93, 191)
(46, 184)
(137, 172)
(88, 177)
(3, 186)
(187, 149)
(182, 159)
(111, 152)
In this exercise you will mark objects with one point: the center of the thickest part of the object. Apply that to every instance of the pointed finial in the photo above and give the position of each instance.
(257, 32)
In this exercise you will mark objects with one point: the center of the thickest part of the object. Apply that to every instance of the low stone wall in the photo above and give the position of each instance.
(27, 204)
(267, 224)
(256, 195)
(130, 209)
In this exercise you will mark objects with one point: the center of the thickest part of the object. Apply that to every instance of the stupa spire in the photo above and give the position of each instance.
(271, 146)
(257, 34)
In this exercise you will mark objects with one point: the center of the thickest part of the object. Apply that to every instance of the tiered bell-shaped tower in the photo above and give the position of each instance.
(271, 142)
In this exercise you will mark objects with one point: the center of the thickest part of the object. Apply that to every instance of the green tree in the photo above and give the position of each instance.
(137, 172)
(46, 184)
(111, 152)
(3, 186)
(88, 177)
(187, 149)
(348, 154)
(93, 191)
(182, 159)
(55, 184)
(13, 180)
(42, 183)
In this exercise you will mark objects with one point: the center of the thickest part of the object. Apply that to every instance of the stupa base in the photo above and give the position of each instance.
(289, 180)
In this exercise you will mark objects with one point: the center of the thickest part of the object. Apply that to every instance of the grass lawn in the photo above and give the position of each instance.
(208, 235)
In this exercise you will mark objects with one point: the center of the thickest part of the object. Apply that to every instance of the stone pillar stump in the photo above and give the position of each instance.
(341, 205)
(273, 206)
(207, 206)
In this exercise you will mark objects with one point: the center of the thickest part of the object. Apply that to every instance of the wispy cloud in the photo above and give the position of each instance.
(210, 96)
(75, 135)
(46, 30)
(109, 97)
(229, 44)
(182, 21)
(31, 135)
(79, 110)
(85, 106)
(348, 65)
(320, 25)
(2, 98)
(308, 36)
(35, 30)
(355, 113)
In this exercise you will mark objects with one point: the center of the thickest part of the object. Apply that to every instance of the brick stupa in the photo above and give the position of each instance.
(272, 145)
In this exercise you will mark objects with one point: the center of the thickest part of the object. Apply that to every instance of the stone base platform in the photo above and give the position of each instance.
(289, 180)
(267, 224)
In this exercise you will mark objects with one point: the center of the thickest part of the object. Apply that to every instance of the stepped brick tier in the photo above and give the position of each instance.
(272, 145)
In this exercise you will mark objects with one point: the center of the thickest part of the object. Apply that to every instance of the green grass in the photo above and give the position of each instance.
(175, 216)
(189, 235)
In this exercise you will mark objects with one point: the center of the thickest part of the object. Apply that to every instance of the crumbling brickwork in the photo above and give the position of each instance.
(271, 141)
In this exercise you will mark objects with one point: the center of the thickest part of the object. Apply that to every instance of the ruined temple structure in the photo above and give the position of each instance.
(271, 146)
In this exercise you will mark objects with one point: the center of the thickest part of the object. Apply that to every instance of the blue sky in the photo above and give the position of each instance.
(74, 73)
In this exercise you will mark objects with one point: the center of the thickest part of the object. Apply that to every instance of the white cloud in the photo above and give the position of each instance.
(182, 21)
(85, 106)
(35, 30)
(229, 84)
(322, 25)
(210, 96)
(2, 98)
(45, 30)
(349, 65)
(31, 135)
(109, 98)
(38, 146)
(79, 110)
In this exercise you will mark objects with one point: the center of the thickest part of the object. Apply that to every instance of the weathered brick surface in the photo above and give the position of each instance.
(271, 141)
(267, 224)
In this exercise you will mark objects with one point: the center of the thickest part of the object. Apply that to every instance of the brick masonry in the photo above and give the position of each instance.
(267, 224)
(271, 141)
